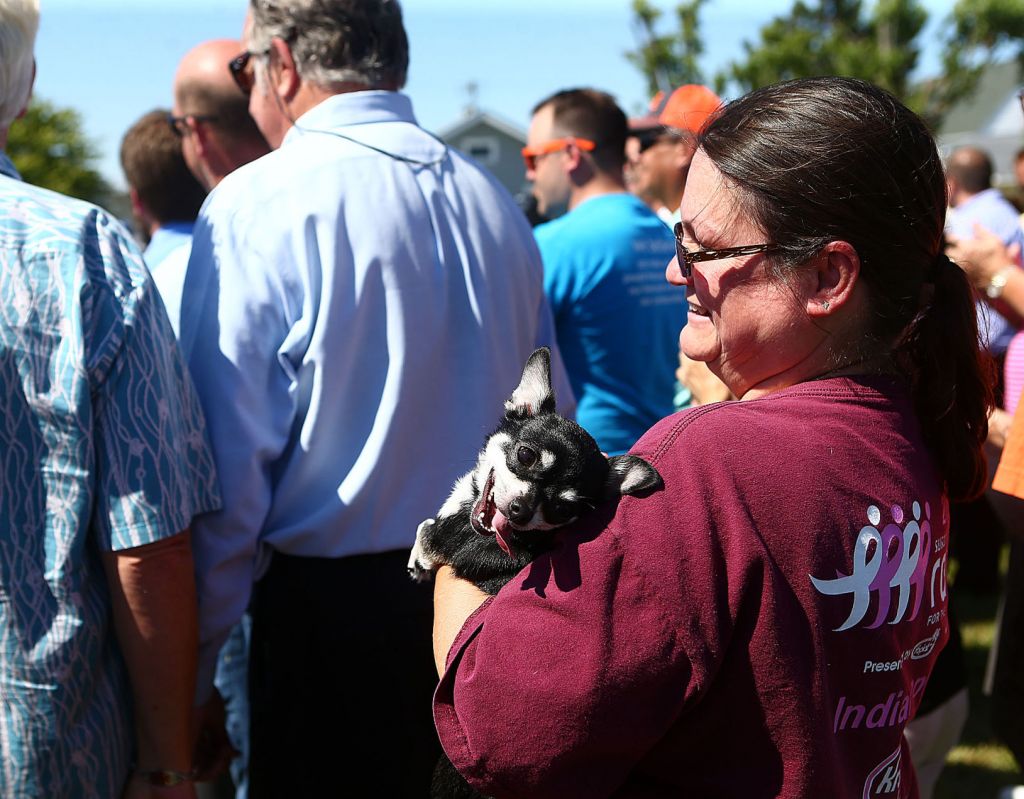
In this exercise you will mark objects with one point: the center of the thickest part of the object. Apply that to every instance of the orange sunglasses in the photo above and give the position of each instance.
(531, 154)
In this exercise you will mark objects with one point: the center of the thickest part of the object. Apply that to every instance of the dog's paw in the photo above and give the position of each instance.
(420, 567)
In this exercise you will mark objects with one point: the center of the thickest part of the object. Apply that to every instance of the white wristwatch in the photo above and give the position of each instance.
(998, 282)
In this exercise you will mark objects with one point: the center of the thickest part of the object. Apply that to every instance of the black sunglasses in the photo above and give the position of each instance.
(687, 258)
(179, 125)
(648, 138)
(242, 72)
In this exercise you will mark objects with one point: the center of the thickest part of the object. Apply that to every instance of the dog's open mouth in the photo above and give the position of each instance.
(484, 510)
(488, 520)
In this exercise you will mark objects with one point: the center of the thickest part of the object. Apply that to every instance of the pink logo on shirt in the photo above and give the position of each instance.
(894, 558)
(885, 779)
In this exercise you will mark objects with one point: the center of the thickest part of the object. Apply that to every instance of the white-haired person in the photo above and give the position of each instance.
(103, 464)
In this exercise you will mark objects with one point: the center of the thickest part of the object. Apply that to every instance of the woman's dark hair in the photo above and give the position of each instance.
(838, 159)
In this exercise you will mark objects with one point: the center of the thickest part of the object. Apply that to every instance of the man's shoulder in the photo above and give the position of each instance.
(323, 164)
(991, 210)
(605, 225)
(45, 218)
(39, 223)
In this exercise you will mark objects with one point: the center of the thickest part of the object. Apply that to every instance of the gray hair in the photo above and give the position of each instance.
(337, 41)
(19, 22)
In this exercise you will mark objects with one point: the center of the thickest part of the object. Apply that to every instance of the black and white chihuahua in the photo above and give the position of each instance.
(537, 472)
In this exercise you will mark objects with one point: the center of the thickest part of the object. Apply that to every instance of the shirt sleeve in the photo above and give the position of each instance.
(154, 468)
(561, 684)
(1009, 477)
(231, 339)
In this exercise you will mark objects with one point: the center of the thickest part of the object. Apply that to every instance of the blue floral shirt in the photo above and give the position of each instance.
(102, 447)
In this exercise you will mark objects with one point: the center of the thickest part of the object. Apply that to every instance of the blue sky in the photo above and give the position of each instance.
(114, 60)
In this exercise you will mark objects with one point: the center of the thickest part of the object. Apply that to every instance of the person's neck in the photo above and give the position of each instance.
(674, 198)
(960, 197)
(311, 95)
(597, 186)
(815, 369)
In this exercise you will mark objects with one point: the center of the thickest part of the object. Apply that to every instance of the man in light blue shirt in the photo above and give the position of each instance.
(358, 305)
(103, 465)
(973, 201)
(165, 199)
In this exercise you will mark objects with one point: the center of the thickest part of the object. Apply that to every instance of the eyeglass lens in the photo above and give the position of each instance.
(242, 72)
(648, 140)
(685, 267)
(178, 125)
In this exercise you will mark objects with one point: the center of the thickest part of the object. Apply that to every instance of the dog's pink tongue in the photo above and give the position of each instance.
(502, 528)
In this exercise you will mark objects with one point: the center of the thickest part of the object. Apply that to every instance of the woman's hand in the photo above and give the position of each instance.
(999, 422)
(455, 600)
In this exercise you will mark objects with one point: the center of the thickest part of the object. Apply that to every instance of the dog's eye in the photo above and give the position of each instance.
(526, 456)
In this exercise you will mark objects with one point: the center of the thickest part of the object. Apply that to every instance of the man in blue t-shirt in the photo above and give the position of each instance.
(617, 321)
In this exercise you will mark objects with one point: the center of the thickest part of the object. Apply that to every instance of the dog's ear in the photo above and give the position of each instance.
(628, 474)
(533, 395)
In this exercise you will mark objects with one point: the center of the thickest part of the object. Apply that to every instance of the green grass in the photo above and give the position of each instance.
(980, 765)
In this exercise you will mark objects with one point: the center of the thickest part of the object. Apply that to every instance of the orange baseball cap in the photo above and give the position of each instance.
(686, 108)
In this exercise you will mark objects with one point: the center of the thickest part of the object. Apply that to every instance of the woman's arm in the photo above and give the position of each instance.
(455, 600)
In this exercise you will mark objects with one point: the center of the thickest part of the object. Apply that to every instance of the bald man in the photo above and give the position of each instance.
(973, 201)
(211, 117)
(211, 114)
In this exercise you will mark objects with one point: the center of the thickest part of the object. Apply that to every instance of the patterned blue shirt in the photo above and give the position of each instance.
(102, 448)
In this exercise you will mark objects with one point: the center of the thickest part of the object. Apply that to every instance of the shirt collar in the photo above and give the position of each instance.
(7, 167)
(178, 227)
(980, 198)
(165, 238)
(353, 108)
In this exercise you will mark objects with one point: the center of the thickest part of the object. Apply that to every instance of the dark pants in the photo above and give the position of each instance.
(1008, 682)
(978, 537)
(342, 676)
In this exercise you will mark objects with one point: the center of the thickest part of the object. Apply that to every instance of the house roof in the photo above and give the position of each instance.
(478, 117)
(974, 114)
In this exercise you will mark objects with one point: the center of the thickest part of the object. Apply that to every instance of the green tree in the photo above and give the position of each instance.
(880, 43)
(836, 37)
(977, 33)
(49, 148)
(668, 60)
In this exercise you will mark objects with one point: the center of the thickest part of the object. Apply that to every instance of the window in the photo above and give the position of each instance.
(485, 149)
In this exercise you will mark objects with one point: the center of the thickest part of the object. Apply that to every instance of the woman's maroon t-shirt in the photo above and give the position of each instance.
(763, 626)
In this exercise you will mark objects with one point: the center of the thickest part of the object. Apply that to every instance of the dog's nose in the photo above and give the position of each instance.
(519, 512)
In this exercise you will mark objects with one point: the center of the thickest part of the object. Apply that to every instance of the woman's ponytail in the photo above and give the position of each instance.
(951, 378)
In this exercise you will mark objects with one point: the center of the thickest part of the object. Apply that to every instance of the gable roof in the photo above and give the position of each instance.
(976, 113)
(482, 117)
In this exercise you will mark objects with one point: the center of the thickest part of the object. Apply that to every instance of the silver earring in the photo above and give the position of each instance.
(824, 305)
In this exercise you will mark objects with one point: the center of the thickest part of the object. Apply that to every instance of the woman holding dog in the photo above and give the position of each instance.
(765, 625)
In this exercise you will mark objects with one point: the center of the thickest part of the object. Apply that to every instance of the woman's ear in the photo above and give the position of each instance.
(832, 281)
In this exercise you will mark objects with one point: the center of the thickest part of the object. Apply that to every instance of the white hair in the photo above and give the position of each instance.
(336, 41)
(19, 23)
